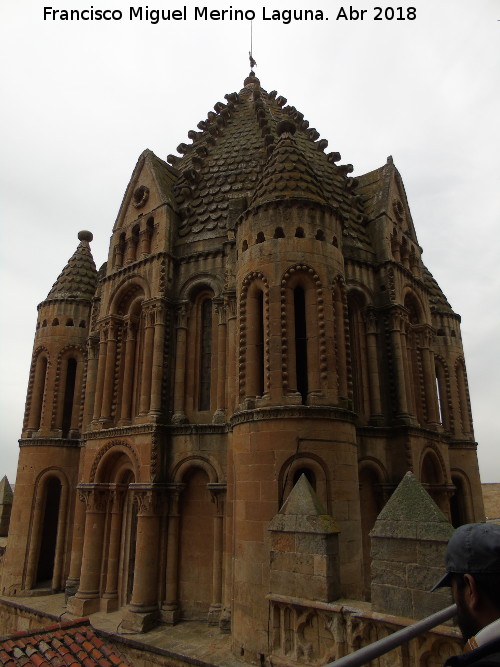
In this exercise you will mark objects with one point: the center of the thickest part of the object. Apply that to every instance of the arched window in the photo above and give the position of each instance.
(299, 233)
(255, 340)
(432, 479)
(300, 326)
(442, 395)
(48, 536)
(39, 382)
(302, 333)
(458, 502)
(463, 398)
(69, 393)
(310, 476)
(359, 363)
(279, 233)
(205, 354)
(135, 241)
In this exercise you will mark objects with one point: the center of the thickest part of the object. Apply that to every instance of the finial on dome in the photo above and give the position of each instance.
(251, 80)
(84, 235)
(286, 126)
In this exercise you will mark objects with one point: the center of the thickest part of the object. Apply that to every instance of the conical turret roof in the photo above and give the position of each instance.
(78, 279)
(287, 174)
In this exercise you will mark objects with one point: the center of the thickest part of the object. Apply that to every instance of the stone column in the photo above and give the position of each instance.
(143, 612)
(373, 370)
(428, 368)
(144, 242)
(86, 601)
(180, 363)
(57, 573)
(218, 492)
(147, 362)
(91, 382)
(408, 352)
(338, 306)
(35, 415)
(399, 369)
(220, 414)
(110, 596)
(101, 370)
(170, 609)
(128, 373)
(158, 360)
(109, 375)
(232, 391)
(75, 567)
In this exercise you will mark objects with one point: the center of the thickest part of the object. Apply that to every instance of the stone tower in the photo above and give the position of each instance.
(262, 315)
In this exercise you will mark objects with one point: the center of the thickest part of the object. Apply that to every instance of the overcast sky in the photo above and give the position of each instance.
(82, 100)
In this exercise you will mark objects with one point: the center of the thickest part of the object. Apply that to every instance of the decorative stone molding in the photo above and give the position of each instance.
(105, 449)
(242, 361)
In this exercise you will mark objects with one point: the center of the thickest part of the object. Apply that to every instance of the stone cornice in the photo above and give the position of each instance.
(293, 412)
(50, 442)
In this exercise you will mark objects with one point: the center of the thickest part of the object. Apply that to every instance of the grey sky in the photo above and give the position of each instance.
(82, 100)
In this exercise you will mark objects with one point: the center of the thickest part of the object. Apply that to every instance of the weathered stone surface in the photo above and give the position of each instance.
(261, 315)
(408, 544)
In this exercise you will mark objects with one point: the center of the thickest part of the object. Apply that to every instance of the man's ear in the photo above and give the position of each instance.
(471, 593)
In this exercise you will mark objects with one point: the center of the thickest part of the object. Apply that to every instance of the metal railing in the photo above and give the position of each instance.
(378, 648)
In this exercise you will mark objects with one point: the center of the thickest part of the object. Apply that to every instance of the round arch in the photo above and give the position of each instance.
(112, 459)
(48, 529)
(198, 283)
(211, 468)
(414, 305)
(303, 462)
(127, 291)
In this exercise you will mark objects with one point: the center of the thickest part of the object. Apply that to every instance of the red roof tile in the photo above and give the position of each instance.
(71, 643)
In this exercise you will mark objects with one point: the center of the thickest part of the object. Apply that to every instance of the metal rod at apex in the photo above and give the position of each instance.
(386, 644)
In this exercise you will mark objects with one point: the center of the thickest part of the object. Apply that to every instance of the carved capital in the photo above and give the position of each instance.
(181, 314)
(95, 496)
(220, 309)
(218, 495)
(371, 321)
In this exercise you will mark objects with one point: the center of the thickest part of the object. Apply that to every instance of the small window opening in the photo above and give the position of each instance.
(310, 476)
(279, 233)
(260, 238)
(205, 355)
(244, 246)
(299, 233)
(69, 394)
(55, 322)
(300, 341)
(320, 235)
(70, 323)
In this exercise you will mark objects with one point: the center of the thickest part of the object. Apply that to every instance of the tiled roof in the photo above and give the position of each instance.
(438, 301)
(78, 279)
(287, 172)
(227, 160)
(68, 643)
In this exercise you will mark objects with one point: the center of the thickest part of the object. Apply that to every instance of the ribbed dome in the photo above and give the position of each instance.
(228, 155)
(78, 279)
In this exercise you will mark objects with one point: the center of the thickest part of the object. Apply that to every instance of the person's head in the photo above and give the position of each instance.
(473, 573)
